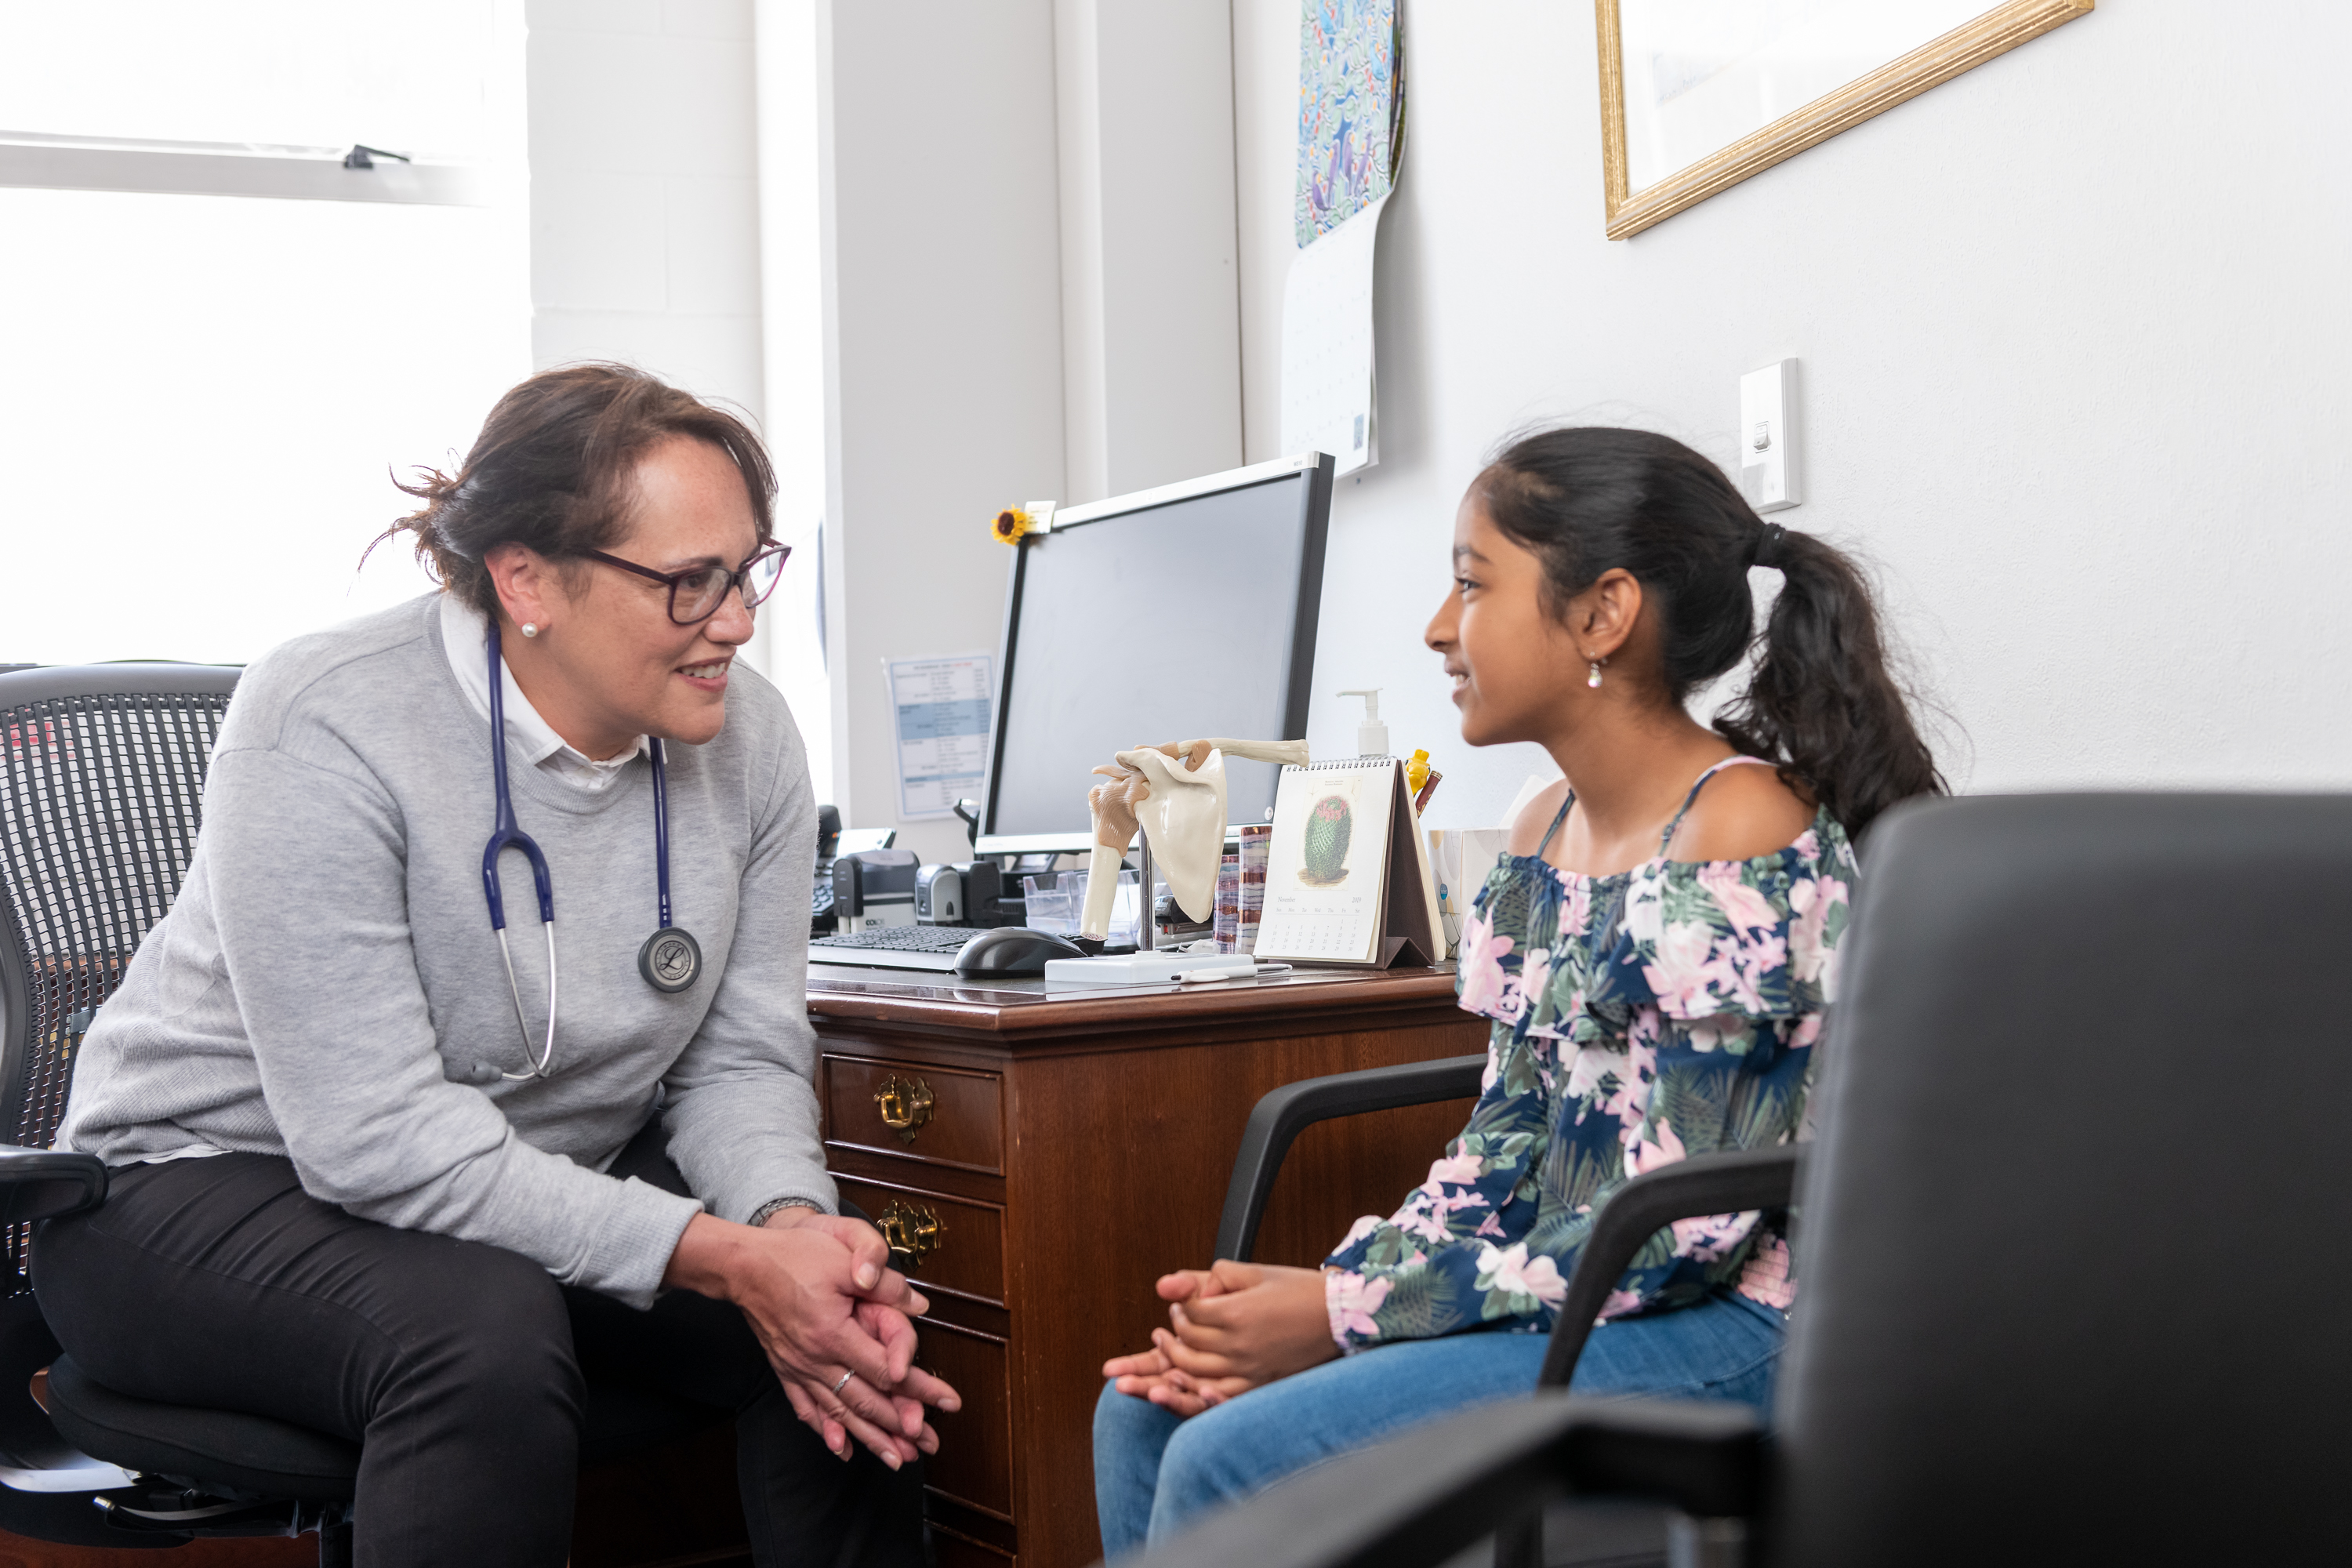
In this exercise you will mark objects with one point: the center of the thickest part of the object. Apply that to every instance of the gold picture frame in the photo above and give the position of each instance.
(1996, 31)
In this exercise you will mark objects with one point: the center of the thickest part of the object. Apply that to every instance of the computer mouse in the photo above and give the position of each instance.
(1013, 950)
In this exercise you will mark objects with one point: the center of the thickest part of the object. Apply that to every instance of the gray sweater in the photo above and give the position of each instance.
(328, 980)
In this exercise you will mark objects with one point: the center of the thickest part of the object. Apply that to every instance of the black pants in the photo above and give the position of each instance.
(461, 1369)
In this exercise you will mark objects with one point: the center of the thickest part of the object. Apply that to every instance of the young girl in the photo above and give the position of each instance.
(1656, 953)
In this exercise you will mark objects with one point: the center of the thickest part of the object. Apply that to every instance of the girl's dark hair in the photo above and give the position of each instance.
(553, 469)
(1822, 705)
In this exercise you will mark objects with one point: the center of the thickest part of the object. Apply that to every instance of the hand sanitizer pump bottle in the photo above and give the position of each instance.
(1371, 735)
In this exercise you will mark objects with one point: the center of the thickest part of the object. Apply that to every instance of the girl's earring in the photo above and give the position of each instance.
(530, 629)
(1593, 680)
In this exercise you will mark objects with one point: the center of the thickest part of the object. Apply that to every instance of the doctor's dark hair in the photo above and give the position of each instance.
(1824, 705)
(554, 467)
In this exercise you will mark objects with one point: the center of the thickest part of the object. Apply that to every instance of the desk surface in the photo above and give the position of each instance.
(1019, 1007)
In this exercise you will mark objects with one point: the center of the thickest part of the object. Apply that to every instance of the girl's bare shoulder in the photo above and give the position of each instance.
(1741, 813)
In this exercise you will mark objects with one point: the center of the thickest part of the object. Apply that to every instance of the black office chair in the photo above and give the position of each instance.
(2071, 1241)
(101, 773)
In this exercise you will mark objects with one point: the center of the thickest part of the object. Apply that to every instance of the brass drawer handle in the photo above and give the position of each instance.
(912, 1233)
(904, 1105)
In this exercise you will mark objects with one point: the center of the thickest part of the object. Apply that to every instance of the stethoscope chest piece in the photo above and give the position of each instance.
(671, 960)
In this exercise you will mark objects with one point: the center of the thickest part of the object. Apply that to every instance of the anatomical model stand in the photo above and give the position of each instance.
(1176, 793)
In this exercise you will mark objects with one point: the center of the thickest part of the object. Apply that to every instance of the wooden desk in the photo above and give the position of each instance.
(1076, 1147)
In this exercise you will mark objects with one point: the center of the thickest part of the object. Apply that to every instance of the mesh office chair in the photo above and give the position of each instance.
(101, 775)
(101, 795)
(2070, 1239)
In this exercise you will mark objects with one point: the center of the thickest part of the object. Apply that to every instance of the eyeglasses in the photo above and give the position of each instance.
(695, 593)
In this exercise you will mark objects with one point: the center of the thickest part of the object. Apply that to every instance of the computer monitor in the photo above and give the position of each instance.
(1169, 615)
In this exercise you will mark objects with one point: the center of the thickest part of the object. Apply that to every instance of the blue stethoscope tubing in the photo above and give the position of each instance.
(670, 959)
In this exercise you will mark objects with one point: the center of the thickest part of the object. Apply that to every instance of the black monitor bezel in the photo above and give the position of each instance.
(1315, 504)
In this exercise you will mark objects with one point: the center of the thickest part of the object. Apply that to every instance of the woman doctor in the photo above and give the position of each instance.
(387, 1171)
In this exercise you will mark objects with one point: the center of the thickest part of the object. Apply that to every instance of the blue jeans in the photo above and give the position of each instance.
(1155, 1472)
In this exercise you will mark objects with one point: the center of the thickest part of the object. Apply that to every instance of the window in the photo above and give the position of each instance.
(408, 75)
(205, 393)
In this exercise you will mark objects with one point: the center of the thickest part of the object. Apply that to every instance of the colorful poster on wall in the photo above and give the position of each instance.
(941, 708)
(1350, 135)
(1350, 110)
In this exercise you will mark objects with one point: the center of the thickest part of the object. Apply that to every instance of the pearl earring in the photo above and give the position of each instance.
(530, 629)
(1593, 680)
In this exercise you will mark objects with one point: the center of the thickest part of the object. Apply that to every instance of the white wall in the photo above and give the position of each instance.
(2074, 334)
(644, 192)
(661, 235)
(1150, 325)
(845, 217)
(943, 351)
(792, 321)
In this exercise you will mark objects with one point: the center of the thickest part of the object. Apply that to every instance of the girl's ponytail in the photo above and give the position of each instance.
(1823, 701)
(1824, 705)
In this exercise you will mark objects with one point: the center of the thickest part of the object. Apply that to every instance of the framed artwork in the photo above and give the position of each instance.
(1697, 95)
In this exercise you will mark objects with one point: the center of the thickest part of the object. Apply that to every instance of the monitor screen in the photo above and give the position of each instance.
(1173, 614)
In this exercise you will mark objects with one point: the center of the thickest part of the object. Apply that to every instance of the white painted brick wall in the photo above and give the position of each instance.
(644, 213)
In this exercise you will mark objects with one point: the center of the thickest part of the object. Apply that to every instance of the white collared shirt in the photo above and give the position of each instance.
(465, 637)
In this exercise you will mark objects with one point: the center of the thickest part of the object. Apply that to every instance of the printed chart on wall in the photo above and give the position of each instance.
(1350, 137)
(942, 706)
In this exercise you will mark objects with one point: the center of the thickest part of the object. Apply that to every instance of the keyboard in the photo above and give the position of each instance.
(895, 947)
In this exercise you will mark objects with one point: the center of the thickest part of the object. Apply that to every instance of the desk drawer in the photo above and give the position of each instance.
(966, 1252)
(937, 1115)
(974, 1464)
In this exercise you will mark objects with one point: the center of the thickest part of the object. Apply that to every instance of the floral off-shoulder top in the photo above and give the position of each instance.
(1638, 1017)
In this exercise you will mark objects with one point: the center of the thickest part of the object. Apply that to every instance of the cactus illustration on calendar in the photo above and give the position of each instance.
(1329, 825)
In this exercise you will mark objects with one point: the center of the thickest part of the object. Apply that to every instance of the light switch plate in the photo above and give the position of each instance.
(1768, 437)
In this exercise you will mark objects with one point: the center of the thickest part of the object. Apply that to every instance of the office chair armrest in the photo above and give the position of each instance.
(1286, 1112)
(1704, 1183)
(48, 1184)
(1422, 1498)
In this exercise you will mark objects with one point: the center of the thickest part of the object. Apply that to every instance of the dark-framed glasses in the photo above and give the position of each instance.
(695, 593)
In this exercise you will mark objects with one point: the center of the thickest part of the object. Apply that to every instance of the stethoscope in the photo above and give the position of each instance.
(670, 960)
